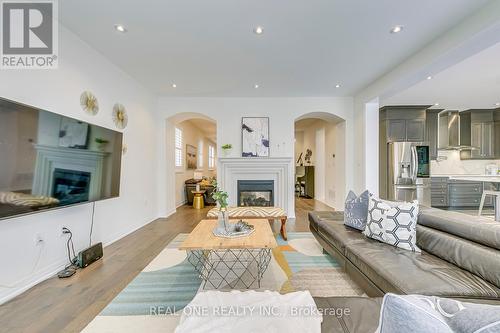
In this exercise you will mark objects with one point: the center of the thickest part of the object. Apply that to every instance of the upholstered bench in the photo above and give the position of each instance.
(269, 213)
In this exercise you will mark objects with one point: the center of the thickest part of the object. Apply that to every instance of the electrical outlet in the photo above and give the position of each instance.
(39, 239)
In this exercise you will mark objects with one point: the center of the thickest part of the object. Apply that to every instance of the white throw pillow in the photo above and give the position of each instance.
(394, 223)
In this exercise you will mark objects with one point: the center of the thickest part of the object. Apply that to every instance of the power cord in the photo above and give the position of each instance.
(70, 269)
(92, 224)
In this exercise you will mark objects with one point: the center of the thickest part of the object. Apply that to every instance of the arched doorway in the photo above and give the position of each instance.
(191, 148)
(320, 158)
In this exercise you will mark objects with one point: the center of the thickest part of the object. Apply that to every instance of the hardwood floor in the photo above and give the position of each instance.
(68, 305)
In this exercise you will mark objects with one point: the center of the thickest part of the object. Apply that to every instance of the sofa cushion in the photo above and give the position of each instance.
(393, 223)
(405, 272)
(316, 216)
(473, 257)
(362, 315)
(356, 210)
(477, 229)
(339, 234)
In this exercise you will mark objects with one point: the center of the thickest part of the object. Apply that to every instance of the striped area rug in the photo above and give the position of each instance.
(169, 283)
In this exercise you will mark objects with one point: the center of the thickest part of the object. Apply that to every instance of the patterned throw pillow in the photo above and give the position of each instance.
(356, 210)
(394, 223)
(424, 314)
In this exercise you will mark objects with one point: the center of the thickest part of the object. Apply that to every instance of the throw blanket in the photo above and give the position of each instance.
(251, 311)
(26, 200)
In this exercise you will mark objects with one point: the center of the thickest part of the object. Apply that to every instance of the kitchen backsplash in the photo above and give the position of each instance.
(453, 165)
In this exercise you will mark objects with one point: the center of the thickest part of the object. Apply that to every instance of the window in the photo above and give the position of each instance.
(178, 147)
(200, 154)
(211, 157)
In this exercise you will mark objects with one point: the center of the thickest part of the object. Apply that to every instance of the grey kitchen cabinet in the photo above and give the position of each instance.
(439, 191)
(483, 137)
(467, 194)
(406, 130)
(448, 193)
(415, 130)
(396, 130)
(431, 132)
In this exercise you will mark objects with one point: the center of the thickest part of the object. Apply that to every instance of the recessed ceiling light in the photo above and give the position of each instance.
(174, 85)
(396, 29)
(337, 85)
(120, 28)
(429, 77)
(256, 86)
(258, 30)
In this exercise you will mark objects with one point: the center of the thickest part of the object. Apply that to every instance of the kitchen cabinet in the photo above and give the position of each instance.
(396, 130)
(482, 137)
(455, 194)
(431, 132)
(403, 123)
(415, 130)
(464, 193)
(439, 191)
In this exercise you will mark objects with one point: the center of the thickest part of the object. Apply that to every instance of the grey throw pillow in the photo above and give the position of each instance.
(356, 210)
(429, 314)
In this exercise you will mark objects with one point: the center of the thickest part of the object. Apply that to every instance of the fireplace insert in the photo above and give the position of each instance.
(256, 193)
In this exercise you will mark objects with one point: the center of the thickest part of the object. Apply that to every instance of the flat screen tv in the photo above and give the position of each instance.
(50, 161)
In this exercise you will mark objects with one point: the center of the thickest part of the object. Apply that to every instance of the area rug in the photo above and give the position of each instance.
(154, 298)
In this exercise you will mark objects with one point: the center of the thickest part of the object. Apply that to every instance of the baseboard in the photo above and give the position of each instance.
(181, 204)
(44, 274)
(52, 269)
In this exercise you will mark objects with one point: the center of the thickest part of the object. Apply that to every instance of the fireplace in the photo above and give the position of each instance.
(257, 193)
(71, 186)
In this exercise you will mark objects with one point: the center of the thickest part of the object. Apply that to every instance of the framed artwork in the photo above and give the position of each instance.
(73, 133)
(255, 137)
(191, 160)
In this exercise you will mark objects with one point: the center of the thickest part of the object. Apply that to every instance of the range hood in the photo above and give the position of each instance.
(454, 132)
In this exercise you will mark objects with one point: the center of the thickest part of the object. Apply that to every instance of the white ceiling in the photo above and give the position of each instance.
(471, 84)
(208, 48)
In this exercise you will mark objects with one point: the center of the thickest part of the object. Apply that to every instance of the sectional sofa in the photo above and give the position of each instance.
(460, 259)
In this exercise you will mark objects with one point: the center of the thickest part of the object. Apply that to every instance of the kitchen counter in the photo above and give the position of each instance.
(477, 178)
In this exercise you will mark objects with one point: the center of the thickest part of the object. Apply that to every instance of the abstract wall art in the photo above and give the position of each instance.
(255, 136)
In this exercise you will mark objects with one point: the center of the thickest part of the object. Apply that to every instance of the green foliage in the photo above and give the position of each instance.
(219, 195)
(101, 141)
(227, 146)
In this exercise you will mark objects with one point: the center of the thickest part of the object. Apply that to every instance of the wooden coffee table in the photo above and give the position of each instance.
(237, 263)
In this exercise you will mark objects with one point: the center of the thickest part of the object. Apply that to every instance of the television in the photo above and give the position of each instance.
(50, 161)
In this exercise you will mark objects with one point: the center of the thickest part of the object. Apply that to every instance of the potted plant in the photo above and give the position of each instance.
(101, 143)
(226, 149)
(221, 197)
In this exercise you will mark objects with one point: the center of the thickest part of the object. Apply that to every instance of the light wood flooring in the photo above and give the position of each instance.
(68, 305)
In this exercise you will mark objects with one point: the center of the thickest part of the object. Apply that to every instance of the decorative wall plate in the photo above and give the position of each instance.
(120, 116)
(89, 103)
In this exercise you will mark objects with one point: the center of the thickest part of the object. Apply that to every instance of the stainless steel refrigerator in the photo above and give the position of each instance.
(408, 166)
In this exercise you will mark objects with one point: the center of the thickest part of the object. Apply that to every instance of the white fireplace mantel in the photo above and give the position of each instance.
(278, 169)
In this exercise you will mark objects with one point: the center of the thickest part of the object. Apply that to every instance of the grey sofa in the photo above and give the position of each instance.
(460, 259)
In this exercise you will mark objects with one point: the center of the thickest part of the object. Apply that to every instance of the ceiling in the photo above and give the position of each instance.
(208, 48)
(208, 128)
(471, 84)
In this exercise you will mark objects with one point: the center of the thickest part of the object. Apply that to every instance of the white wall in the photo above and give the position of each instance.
(227, 112)
(453, 165)
(80, 68)
(192, 136)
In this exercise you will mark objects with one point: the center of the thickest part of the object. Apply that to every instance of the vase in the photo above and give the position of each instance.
(226, 152)
(223, 219)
